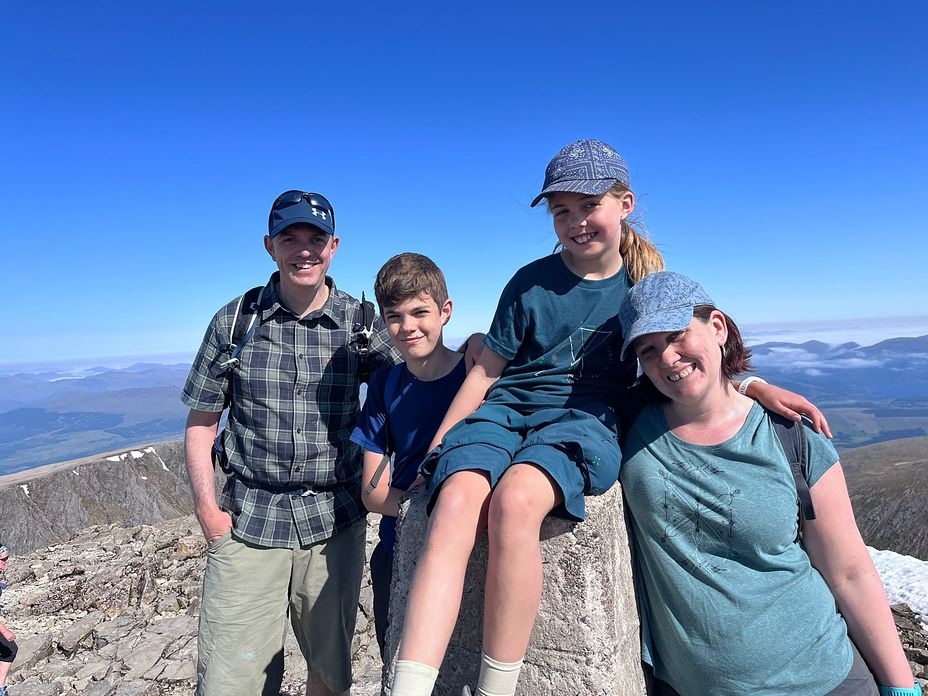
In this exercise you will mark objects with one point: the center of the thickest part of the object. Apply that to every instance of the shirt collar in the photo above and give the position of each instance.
(270, 302)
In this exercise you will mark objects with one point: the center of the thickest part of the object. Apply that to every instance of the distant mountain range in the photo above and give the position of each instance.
(869, 393)
(54, 416)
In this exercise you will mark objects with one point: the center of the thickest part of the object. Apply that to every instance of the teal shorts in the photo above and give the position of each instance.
(575, 448)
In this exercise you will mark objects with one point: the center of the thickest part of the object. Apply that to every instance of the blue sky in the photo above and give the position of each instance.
(778, 151)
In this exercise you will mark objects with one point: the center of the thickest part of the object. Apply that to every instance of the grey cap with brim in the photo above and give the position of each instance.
(660, 302)
(591, 167)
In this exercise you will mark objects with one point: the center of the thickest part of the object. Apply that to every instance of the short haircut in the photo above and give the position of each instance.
(409, 275)
(736, 357)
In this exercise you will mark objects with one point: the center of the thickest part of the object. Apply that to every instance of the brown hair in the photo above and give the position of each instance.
(409, 275)
(736, 357)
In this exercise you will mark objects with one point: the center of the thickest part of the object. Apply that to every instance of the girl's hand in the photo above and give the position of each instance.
(788, 404)
(7, 633)
(472, 348)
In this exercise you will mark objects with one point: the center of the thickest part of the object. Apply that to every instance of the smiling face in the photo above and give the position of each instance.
(685, 365)
(415, 326)
(303, 254)
(590, 228)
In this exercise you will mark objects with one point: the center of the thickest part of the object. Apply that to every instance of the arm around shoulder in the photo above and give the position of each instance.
(837, 551)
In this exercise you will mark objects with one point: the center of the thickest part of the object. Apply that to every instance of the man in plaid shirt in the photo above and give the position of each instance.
(288, 536)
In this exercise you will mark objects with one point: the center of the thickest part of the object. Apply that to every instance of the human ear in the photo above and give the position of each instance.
(627, 203)
(446, 312)
(269, 245)
(719, 326)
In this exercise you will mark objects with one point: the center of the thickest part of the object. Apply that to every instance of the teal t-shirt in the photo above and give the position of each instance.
(561, 336)
(730, 603)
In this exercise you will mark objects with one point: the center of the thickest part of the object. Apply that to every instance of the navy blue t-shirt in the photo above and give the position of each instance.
(405, 425)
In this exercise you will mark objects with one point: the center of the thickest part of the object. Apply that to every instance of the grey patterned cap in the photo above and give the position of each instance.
(586, 166)
(660, 302)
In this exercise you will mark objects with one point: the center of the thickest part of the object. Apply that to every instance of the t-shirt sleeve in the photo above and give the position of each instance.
(820, 454)
(205, 388)
(507, 331)
(370, 431)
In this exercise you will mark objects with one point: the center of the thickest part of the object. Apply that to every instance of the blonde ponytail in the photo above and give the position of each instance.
(639, 255)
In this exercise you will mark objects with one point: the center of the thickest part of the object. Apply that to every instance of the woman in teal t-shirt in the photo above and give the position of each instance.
(731, 602)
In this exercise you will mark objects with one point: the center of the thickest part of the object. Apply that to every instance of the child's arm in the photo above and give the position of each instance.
(383, 498)
(788, 404)
(487, 370)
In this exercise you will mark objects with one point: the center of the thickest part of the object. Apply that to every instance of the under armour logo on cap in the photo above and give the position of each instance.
(292, 207)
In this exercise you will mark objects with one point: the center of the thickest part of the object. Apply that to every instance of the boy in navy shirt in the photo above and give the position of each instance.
(405, 403)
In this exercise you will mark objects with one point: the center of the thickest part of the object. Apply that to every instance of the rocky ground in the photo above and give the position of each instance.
(113, 613)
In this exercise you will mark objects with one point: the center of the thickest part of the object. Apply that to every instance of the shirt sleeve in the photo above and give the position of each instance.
(820, 454)
(205, 390)
(507, 331)
(370, 431)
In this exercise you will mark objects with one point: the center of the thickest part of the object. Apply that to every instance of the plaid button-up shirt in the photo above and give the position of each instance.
(294, 474)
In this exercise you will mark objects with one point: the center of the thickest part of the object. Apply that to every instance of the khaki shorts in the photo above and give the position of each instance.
(248, 592)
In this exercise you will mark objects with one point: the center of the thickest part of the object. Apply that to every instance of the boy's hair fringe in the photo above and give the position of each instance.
(406, 276)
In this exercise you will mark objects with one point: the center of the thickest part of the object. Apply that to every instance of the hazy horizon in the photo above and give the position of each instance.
(863, 331)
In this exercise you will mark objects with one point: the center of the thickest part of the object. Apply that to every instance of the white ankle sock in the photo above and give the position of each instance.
(497, 678)
(413, 678)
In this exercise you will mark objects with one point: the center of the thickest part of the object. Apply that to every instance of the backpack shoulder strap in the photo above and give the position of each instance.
(793, 438)
(391, 394)
(361, 337)
(244, 325)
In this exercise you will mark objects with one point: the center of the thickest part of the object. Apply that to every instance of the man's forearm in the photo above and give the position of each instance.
(198, 444)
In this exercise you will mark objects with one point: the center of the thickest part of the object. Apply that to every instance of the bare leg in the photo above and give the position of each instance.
(522, 498)
(316, 687)
(435, 596)
(4, 672)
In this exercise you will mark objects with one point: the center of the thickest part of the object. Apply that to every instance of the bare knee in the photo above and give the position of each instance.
(460, 512)
(518, 506)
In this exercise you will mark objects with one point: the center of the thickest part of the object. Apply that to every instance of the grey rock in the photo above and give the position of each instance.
(585, 639)
(103, 687)
(77, 632)
(32, 650)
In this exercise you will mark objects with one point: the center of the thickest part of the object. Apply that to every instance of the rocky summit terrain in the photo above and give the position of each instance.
(113, 612)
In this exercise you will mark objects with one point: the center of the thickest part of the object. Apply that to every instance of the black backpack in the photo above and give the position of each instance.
(245, 324)
(792, 436)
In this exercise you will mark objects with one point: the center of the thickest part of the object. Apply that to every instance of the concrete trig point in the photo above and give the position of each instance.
(586, 638)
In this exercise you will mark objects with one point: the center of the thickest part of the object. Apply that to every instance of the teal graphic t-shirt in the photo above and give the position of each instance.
(730, 603)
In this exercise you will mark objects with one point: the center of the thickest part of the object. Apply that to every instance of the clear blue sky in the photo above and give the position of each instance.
(778, 149)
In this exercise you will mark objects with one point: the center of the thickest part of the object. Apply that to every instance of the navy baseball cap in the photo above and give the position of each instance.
(295, 206)
(586, 166)
(660, 302)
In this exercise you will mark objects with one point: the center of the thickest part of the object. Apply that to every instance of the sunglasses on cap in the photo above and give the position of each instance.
(316, 200)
